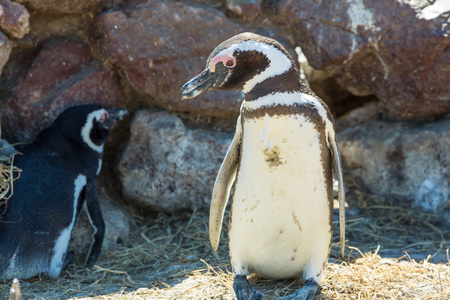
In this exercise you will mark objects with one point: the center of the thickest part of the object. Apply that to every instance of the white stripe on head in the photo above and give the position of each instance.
(278, 61)
(62, 242)
(86, 130)
(289, 99)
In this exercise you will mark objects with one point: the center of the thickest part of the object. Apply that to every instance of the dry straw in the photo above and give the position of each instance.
(169, 257)
(8, 174)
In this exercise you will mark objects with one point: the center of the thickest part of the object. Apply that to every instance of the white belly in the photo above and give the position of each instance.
(280, 222)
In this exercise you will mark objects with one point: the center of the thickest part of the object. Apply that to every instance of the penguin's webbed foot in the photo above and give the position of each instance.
(244, 290)
(307, 291)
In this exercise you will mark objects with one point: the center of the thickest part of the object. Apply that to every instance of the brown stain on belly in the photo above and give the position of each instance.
(273, 158)
(296, 221)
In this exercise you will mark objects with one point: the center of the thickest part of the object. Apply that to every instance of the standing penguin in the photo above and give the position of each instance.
(58, 178)
(280, 163)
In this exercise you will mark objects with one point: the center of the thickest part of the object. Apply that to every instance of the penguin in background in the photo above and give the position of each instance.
(280, 162)
(58, 179)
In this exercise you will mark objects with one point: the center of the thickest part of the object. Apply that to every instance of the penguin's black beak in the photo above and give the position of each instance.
(115, 115)
(204, 82)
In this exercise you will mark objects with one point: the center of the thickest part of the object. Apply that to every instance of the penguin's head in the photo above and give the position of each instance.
(240, 63)
(87, 124)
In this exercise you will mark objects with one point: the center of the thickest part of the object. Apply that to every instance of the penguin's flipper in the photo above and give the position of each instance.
(222, 186)
(341, 193)
(15, 293)
(96, 219)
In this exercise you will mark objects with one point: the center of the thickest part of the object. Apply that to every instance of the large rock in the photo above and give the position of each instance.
(45, 28)
(5, 50)
(400, 161)
(248, 10)
(14, 18)
(397, 50)
(65, 6)
(160, 45)
(213, 3)
(167, 167)
(322, 83)
(63, 74)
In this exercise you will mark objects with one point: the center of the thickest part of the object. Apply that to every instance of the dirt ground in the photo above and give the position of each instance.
(393, 252)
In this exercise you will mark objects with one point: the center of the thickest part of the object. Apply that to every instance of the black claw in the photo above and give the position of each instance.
(307, 291)
(244, 290)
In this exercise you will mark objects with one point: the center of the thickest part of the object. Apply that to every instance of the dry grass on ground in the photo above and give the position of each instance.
(8, 174)
(169, 257)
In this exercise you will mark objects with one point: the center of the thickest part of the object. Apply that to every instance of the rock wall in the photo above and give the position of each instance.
(397, 50)
(168, 167)
(138, 53)
(399, 160)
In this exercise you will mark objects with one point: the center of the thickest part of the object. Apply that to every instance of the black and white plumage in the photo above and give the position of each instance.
(58, 178)
(280, 161)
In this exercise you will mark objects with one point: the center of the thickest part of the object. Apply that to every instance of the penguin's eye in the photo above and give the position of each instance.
(230, 63)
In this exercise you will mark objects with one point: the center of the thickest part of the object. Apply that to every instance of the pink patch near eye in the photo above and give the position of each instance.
(228, 61)
(103, 117)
